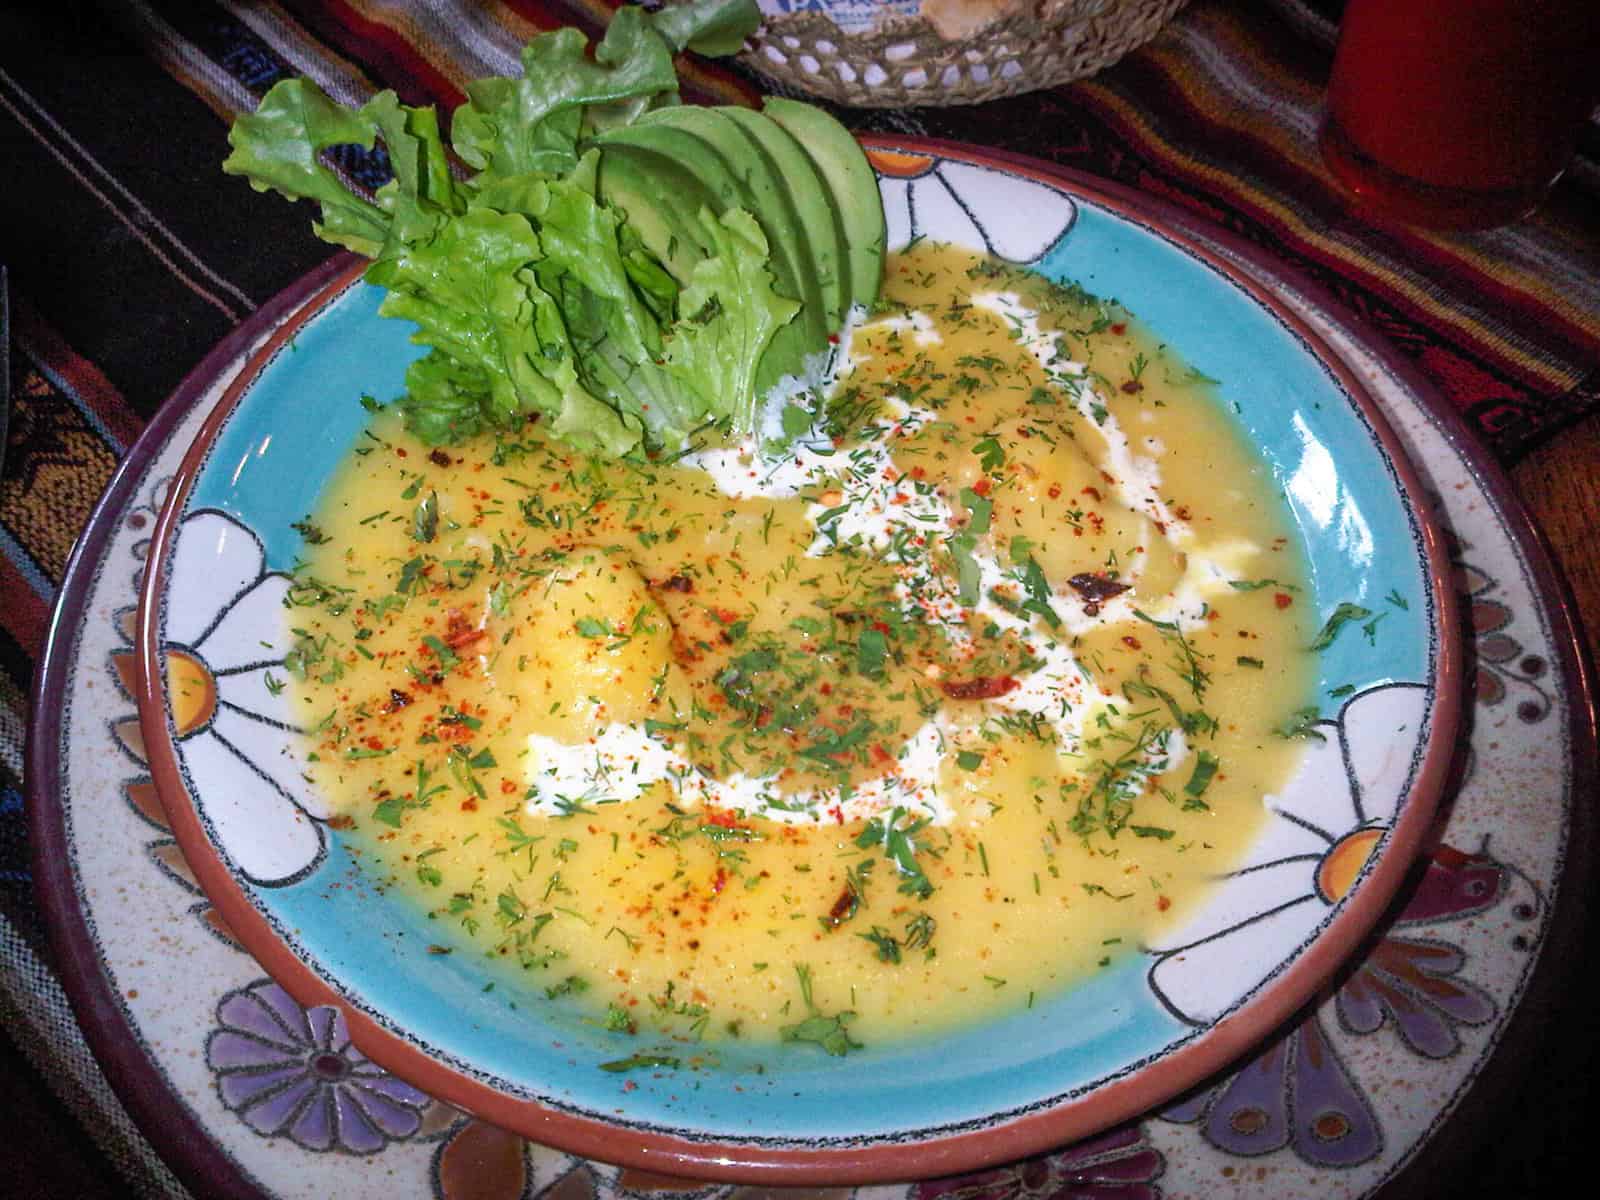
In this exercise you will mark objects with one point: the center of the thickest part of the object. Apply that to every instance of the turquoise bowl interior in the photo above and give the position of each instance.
(1365, 538)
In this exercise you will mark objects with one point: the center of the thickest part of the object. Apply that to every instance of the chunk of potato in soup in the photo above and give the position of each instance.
(950, 696)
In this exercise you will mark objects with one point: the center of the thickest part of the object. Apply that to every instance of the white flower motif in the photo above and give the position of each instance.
(1323, 828)
(969, 205)
(224, 641)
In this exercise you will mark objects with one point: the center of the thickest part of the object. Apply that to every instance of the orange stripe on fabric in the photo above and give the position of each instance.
(1233, 43)
(202, 89)
(1496, 278)
(441, 80)
(25, 615)
(537, 14)
(306, 44)
(1290, 225)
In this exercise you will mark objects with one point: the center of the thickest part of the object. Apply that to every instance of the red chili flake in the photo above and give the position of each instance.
(459, 631)
(1093, 493)
(440, 459)
(763, 714)
(1282, 599)
(1132, 387)
(1096, 588)
(1120, 328)
(833, 339)
(397, 700)
(1163, 903)
(401, 451)
(919, 473)
(880, 755)
(720, 882)
(723, 818)
(372, 743)
(1054, 492)
(726, 615)
(982, 486)
(1131, 642)
(880, 626)
(470, 804)
(844, 907)
(984, 687)
(342, 821)
(675, 583)
(507, 787)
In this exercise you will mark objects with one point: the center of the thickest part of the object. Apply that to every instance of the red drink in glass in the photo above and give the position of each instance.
(1459, 113)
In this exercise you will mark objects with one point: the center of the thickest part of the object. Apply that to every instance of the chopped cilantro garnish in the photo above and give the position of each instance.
(1302, 724)
(822, 1030)
(642, 1062)
(991, 454)
(1205, 769)
(1340, 617)
(425, 519)
(872, 649)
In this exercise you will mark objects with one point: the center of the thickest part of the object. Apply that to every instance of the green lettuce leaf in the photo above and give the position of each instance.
(729, 314)
(533, 296)
(277, 149)
(473, 294)
(715, 28)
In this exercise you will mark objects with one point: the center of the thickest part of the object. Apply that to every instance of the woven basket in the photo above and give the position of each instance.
(936, 52)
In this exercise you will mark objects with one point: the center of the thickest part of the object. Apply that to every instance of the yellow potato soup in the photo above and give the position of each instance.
(948, 691)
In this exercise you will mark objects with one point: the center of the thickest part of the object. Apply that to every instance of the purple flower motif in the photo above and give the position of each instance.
(293, 1072)
(1120, 1165)
(1409, 982)
(1298, 1092)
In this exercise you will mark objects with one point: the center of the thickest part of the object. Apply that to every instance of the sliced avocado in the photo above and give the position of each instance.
(842, 163)
(679, 153)
(812, 202)
(765, 197)
(662, 203)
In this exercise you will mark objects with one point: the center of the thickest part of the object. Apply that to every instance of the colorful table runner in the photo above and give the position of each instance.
(130, 254)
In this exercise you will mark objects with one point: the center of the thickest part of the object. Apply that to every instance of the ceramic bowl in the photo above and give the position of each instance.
(1336, 846)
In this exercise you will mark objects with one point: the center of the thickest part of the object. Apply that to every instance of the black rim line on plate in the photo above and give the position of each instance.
(162, 1115)
(1437, 1156)
(141, 1084)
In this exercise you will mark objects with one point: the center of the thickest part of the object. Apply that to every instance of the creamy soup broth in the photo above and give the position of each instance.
(956, 702)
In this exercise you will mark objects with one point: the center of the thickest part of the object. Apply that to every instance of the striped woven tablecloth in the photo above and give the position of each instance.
(130, 255)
